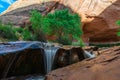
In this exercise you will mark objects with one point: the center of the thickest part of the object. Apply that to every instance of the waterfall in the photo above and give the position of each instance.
(88, 54)
(50, 53)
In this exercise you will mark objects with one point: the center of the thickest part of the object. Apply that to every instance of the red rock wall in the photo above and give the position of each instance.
(104, 67)
(98, 16)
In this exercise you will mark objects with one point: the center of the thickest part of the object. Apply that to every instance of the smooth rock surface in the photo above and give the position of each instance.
(104, 67)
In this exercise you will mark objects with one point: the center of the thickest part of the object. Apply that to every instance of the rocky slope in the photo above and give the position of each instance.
(104, 67)
(98, 16)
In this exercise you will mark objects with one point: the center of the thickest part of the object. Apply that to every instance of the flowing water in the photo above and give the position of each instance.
(50, 53)
(35, 78)
(88, 54)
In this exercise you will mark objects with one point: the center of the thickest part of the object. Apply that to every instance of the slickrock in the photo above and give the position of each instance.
(104, 67)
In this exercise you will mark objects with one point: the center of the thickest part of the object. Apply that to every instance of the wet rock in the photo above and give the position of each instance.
(30, 61)
(32, 57)
(104, 67)
(68, 55)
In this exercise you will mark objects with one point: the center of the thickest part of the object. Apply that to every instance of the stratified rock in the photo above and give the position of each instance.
(98, 16)
(104, 67)
(20, 16)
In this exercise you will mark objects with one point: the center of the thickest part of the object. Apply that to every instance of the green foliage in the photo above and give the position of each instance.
(118, 23)
(118, 33)
(38, 23)
(7, 32)
(36, 19)
(24, 34)
(78, 43)
(64, 24)
(10, 33)
(27, 35)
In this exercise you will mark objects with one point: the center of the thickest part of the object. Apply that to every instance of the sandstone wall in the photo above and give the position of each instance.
(104, 67)
(98, 16)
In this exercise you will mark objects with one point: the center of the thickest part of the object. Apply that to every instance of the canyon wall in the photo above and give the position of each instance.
(98, 16)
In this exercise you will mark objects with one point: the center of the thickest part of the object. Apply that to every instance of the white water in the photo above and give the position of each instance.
(88, 54)
(50, 55)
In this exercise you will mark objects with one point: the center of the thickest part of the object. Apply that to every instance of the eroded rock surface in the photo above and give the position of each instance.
(98, 16)
(104, 67)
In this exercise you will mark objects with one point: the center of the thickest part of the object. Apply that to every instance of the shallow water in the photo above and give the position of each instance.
(35, 78)
(29, 77)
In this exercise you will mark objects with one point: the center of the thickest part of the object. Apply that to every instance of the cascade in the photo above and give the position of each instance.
(88, 54)
(50, 53)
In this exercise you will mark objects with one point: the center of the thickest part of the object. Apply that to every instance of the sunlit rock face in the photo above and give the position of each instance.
(98, 16)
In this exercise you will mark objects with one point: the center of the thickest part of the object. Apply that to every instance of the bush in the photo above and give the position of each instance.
(7, 32)
(24, 34)
(11, 33)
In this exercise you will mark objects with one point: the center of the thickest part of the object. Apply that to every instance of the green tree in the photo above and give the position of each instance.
(38, 24)
(64, 25)
(7, 32)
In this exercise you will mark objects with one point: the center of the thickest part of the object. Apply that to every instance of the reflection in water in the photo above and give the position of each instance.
(35, 78)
